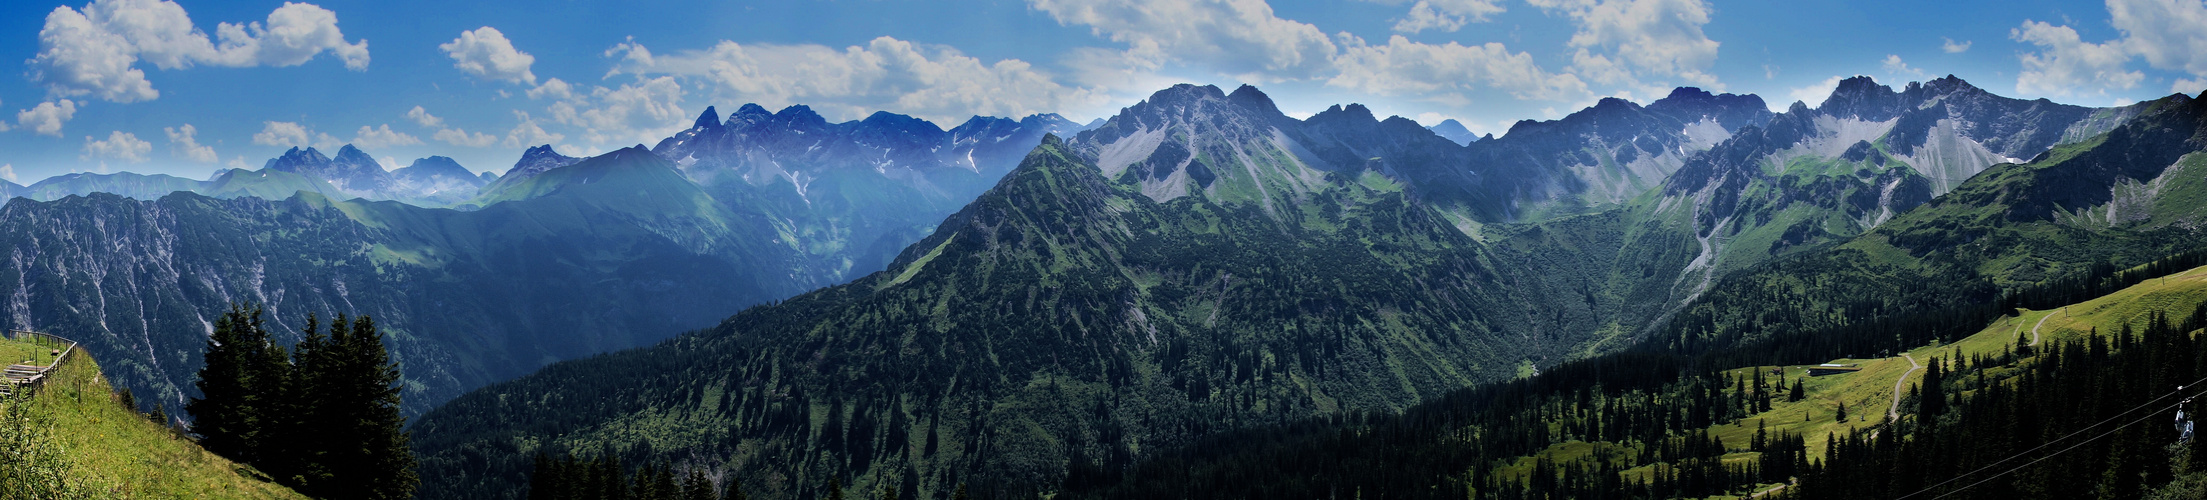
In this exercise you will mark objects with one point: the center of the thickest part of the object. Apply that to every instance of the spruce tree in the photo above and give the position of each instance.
(226, 416)
(311, 396)
(370, 458)
(697, 486)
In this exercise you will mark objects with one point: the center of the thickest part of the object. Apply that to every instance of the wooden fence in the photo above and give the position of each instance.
(31, 377)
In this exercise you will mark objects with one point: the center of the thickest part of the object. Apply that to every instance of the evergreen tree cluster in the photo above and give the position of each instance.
(321, 417)
(603, 478)
(1645, 408)
(2080, 419)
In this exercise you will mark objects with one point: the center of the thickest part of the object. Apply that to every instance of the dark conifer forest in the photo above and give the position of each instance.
(321, 416)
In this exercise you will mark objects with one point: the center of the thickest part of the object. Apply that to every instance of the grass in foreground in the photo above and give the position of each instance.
(113, 452)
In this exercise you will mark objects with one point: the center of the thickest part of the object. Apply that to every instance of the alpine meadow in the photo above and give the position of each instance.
(1103, 249)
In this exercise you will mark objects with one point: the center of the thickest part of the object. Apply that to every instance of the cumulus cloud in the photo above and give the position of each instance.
(46, 118)
(1811, 94)
(458, 137)
(2169, 34)
(95, 50)
(1405, 67)
(1895, 66)
(528, 133)
(382, 137)
(184, 144)
(449, 135)
(933, 82)
(1446, 15)
(422, 117)
(642, 111)
(1233, 36)
(2188, 86)
(119, 145)
(286, 135)
(486, 53)
(7, 172)
(1625, 41)
(2067, 65)
(1953, 47)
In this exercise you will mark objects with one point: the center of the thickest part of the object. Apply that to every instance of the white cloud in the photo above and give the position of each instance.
(1405, 67)
(459, 137)
(184, 143)
(2066, 65)
(643, 111)
(422, 117)
(933, 82)
(1232, 36)
(1812, 95)
(119, 145)
(1622, 41)
(528, 133)
(450, 135)
(1953, 47)
(95, 51)
(237, 162)
(8, 172)
(46, 118)
(2188, 86)
(1446, 15)
(1894, 66)
(382, 137)
(486, 53)
(559, 89)
(2169, 34)
(284, 134)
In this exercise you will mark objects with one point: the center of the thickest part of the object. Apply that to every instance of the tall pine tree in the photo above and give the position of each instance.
(238, 386)
(369, 457)
(322, 417)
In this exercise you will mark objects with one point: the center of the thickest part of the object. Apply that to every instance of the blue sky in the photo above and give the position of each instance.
(185, 88)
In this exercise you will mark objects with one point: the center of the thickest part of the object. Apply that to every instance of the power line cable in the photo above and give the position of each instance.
(2180, 389)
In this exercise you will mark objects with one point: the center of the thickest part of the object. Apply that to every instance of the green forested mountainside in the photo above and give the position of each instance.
(2121, 199)
(467, 298)
(1965, 414)
(2037, 235)
(1201, 263)
(1060, 325)
(1779, 186)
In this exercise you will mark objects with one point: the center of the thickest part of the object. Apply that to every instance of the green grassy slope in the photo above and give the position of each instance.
(114, 452)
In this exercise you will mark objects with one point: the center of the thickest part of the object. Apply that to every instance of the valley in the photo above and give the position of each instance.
(1037, 307)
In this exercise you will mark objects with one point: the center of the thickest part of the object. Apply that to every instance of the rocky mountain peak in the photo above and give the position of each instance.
(1732, 111)
(536, 160)
(296, 160)
(1863, 98)
(1249, 97)
(710, 119)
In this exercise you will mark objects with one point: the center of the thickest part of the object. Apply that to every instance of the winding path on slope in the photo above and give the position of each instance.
(1893, 413)
(2042, 322)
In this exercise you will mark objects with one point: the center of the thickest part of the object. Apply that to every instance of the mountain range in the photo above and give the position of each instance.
(559, 258)
(1109, 298)
(1024, 306)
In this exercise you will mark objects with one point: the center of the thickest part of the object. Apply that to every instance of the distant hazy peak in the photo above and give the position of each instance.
(536, 160)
